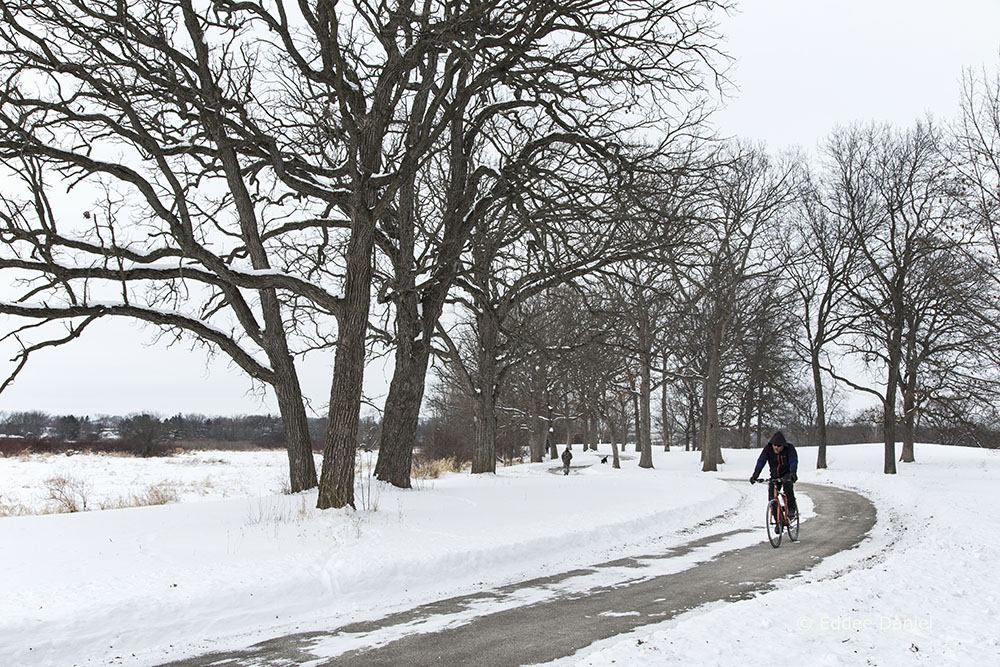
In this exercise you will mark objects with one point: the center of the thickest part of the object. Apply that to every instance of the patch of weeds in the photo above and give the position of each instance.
(13, 509)
(358, 520)
(432, 469)
(203, 487)
(68, 493)
(156, 494)
(160, 494)
(366, 488)
(266, 511)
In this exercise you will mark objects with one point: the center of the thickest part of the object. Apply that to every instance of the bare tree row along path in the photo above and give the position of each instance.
(555, 616)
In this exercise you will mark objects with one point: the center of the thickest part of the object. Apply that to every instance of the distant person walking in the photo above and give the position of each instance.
(567, 456)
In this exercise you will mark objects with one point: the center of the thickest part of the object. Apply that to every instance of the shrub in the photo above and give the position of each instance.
(68, 493)
(158, 494)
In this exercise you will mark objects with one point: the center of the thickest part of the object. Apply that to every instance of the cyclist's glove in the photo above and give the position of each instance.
(793, 477)
(753, 480)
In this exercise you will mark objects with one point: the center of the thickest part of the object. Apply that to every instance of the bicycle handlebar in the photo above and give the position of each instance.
(772, 479)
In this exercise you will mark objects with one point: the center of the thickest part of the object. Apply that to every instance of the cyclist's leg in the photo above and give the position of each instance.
(790, 492)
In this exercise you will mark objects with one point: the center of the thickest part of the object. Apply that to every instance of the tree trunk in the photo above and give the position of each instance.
(889, 407)
(298, 442)
(820, 412)
(569, 429)
(638, 420)
(551, 435)
(402, 411)
(538, 430)
(760, 418)
(645, 397)
(663, 412)
(273, 339)
(336, 487)
(909, 430)
(710, 437)
(746, 426)
(484, 458)
(615, 460)
(417, 311)
(691, 433)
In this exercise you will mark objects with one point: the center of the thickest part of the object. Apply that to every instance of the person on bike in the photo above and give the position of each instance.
(783, 461)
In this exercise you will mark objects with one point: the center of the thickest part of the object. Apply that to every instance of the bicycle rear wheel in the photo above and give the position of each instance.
(793, 528)
(773, 523)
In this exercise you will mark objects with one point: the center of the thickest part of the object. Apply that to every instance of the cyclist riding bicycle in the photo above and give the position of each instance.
(783, 460)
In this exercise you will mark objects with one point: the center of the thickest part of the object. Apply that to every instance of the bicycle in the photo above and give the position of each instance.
(777, 513)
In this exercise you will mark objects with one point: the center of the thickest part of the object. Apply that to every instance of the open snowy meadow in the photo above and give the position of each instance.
(230, 559)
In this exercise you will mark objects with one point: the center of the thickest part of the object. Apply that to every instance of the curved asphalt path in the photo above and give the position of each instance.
(558, 627)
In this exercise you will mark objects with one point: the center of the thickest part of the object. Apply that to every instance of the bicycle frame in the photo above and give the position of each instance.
(778, 493)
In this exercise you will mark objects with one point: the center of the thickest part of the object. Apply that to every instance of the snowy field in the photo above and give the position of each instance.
(236, 561)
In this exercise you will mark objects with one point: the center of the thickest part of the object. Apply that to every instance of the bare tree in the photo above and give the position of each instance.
(558, 74)
(98, 95)
(635, 293)
(895, 192)
(744, 195)
(822, 259)
(974, 151)
(553, 340)
(762, 382)
(574, 225)
(951, 337)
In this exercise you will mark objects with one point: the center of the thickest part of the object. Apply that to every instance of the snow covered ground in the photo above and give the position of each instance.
(236, 561)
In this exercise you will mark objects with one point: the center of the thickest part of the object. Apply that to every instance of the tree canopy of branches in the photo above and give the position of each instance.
(251, 157)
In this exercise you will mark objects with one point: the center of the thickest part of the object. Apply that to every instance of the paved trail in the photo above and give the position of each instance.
(550, 617)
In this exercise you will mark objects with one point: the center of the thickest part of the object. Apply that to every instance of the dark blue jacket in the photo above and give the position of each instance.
(780, 463)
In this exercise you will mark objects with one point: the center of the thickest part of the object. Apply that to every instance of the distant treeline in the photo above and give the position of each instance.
(149, 434)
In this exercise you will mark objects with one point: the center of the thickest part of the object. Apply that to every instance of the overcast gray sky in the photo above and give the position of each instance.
(802, 67)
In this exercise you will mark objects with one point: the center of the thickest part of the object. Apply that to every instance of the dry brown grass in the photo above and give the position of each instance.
(435, 468)
(12, 509)
(115, 454)
(69, 494)
(156, 494)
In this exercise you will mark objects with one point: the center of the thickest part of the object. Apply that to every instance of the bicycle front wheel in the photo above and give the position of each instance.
(773, 523)
(793, 528)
